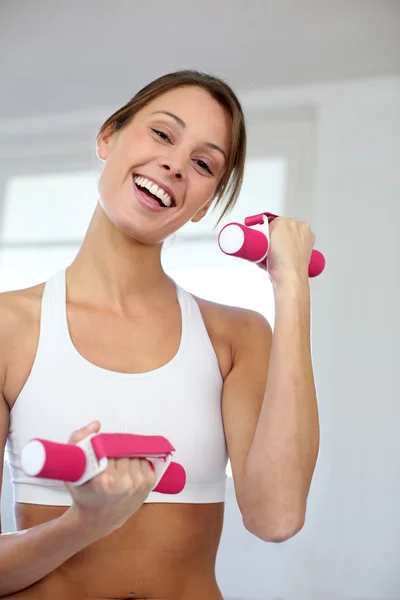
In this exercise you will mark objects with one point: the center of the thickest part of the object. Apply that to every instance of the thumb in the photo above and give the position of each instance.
(80, 434)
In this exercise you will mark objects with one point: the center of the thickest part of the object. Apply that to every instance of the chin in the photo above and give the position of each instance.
(139, 234)
(138, 227)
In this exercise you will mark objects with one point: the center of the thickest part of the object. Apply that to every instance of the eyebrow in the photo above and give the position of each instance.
(182, 124)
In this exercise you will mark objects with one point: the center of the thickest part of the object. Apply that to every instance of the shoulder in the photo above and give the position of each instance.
(241, 327)
(19, 307)
(19, 311)
(231, 315)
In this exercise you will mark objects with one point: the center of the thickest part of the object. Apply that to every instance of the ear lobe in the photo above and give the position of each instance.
(102, 149)
(202, 212)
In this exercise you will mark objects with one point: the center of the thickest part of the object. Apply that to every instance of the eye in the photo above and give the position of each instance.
(203, 165)
(161, 135)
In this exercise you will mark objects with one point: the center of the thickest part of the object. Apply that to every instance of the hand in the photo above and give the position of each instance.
(106, 502)
(291, 245)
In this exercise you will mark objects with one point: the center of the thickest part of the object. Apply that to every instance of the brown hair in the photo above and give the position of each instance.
(228, 188)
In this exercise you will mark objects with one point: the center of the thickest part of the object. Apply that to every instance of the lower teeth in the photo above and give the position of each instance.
(151, 196)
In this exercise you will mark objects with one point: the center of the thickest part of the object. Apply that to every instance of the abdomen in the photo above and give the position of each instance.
(160, 552)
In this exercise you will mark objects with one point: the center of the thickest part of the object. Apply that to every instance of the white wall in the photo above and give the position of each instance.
(349, 547)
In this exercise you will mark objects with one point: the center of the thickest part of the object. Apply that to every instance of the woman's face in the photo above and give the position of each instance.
(179, 143)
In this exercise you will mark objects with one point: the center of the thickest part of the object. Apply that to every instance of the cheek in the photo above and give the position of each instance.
(200, 192)
(135, 147)
(141, 136)
(115, 170)
(105, 184)
(109, 184)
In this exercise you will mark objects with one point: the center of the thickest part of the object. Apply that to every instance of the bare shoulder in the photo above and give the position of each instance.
(19, 307)
(19, 310)
(236, 324)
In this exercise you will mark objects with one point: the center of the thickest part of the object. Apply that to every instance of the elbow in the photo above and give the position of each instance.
(277, 533)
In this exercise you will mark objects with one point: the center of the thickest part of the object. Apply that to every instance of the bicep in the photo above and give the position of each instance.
(243, 393)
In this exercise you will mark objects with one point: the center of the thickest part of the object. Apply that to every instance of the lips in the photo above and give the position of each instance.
(146, 201)
(164, 190)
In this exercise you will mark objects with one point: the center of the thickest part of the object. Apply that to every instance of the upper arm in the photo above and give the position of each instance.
(10, 319)
(4, 424)
(243, 391)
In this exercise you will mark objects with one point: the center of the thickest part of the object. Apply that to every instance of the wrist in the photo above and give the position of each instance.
(291, 282)
(85, 529)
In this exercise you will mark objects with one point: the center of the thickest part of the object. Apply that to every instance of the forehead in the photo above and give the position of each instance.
(204, 117)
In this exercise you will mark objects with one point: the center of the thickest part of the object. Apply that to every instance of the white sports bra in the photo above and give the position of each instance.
(180, 400)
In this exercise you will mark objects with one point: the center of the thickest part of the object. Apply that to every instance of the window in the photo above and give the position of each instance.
(43, 223)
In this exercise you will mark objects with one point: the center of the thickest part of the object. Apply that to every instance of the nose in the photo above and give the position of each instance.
(175, 162)
(174, 169)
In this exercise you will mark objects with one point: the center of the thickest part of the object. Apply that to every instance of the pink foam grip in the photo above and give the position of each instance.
(253, 246)
(317, 264)
(173, 481)
(118, 445)
(66, 462)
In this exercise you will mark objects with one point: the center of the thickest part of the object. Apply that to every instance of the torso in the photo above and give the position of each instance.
(165, 551)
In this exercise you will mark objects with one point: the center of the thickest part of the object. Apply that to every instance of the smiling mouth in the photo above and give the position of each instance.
(153, 191)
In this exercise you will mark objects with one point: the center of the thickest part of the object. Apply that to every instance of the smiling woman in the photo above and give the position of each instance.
(113, 325)
(204, 162)
(167, 124)
(113, 343)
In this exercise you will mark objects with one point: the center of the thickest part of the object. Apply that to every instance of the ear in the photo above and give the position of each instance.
(202, 212)
(103, 143)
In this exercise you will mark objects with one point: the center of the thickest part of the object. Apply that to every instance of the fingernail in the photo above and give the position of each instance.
(92, 426)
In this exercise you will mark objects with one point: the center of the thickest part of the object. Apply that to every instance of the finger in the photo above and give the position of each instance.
(275, 222)
(149, 473)
(146, 466)
(135, 467)
(122, 466)
(80, 434)
(143, 472)
(111, 464)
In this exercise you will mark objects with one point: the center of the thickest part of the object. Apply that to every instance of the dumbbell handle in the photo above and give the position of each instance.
(78, 463)
(250, 243)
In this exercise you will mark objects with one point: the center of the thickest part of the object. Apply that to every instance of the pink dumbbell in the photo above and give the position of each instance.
(78, 463)
(251, 242)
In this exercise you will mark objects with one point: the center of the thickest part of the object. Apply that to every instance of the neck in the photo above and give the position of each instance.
(116, 269)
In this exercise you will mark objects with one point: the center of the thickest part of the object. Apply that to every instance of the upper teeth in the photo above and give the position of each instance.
(154, 189)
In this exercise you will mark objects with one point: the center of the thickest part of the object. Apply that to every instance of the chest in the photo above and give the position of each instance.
(137, 344)
(125, 345)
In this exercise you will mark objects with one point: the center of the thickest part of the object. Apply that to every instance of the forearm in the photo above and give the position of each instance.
(284, 451)
(28, 556)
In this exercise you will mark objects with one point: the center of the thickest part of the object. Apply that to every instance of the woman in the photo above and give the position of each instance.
(114, 341)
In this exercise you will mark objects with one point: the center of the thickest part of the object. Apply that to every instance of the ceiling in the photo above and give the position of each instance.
(58, 57)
